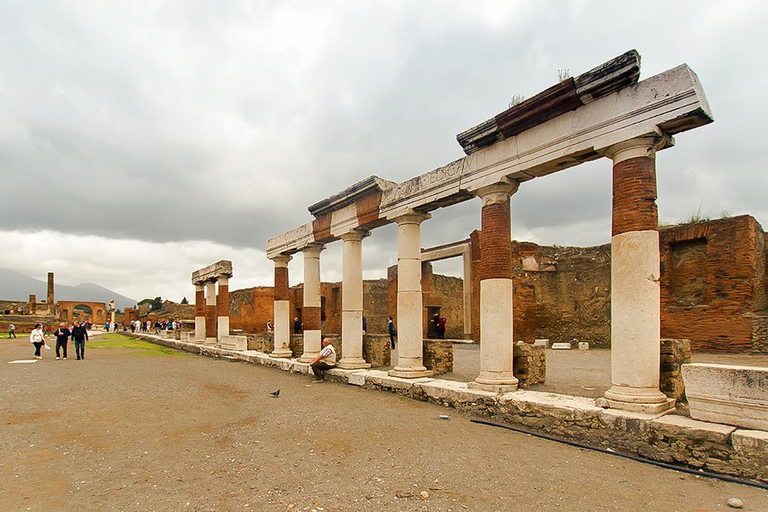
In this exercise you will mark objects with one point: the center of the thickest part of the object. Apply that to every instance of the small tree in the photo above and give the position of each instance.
(154, 304)
(184, 301)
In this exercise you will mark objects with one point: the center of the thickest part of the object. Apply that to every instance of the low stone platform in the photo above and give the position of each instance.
(665, 437)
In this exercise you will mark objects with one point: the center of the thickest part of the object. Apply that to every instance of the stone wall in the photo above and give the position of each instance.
(376, 349)
(14, 307)
(529, 364)
(251, 308)
(438, 355)
(674, 353)
(760, 333)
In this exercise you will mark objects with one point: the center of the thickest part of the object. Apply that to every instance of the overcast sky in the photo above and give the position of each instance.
(142, 140)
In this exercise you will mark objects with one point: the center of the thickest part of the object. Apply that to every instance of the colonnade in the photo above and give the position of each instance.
(212, 308)
(635, 297)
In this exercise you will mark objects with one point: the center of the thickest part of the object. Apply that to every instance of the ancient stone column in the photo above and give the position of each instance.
(352, 301)
(210, 312)
(635, 272)
(199, 312)
(310, 314)
(51, 298)
(410, 329)
(282, 308)
(222, 305)
(495, 273)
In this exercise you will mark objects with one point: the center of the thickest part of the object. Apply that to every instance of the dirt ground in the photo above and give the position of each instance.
(135, 426)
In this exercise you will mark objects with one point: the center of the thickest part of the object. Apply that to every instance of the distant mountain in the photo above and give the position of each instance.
(17, 286)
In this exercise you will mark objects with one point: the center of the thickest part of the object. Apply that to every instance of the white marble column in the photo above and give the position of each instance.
(352, 301)
(635, 289)
(496, 291)
(311, 313)
(282, 308)
(222, 306)
(410, 329)
(199, 313)
(210, 313)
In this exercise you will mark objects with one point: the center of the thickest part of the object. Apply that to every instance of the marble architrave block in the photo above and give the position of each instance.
(729, 394)
(231, 342)
(561, 346)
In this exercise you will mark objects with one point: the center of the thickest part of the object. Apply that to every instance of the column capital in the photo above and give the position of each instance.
(355, 235)
(644, 146)
(223, 280)
(498, 192)
(281, 260)
(412, 217)
(313, 250)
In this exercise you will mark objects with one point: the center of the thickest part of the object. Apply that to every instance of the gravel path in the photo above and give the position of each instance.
(132, 428)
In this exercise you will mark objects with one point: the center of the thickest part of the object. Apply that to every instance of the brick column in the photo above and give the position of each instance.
(352, 301)
(199, 312)
(310, 314)
(635, 271)
(222, 305)
(496, 333)
(210, 312)
(410, 361)
(282, 308)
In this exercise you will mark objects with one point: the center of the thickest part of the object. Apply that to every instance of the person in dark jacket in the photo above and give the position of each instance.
(392, 332)
(79, 335)
(62, 337)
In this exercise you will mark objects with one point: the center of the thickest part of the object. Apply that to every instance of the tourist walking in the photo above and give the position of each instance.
(441, 327)
(296, 326)
(325, 360)
(392, 332)
(11, 331)
(62, 337)
(37, 338)
(79, 335)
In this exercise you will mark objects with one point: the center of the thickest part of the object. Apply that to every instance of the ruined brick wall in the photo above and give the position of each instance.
(760, 333)
(13, 307)
(251, 308)
(375, 305)
(376, 350)
(711, 281)
(451, 291)
(560, 293)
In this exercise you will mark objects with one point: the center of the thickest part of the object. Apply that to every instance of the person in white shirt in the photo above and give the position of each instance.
(325, 360)
(37, 339)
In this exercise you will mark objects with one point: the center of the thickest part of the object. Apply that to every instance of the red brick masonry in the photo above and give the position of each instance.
(634, 196)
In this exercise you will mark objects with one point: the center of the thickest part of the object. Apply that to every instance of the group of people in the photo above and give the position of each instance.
(159, 325)
(77, 332)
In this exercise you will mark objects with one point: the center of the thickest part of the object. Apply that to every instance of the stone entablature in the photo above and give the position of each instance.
(212, 272)
(665, 104)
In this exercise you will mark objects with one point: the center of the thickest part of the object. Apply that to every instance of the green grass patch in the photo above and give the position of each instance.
(138, 347)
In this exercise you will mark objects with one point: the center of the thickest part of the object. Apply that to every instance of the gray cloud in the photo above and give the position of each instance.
(174, 122)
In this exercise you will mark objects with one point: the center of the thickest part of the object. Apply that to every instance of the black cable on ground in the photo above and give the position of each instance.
(664, 465)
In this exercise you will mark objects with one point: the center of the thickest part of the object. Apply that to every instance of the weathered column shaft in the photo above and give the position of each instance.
(635, 272)
(311, 312)
(282, 308)
(352, 301)
(222, 305)
(199, 312)
(495, 272)
(210, 310)
(410, 339)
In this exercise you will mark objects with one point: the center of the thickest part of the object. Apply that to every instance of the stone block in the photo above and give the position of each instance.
(234, 342)
(543, 342)
(438, 356)
(553, 405)
(384, 380)
(357, 378)
(675, 426)
(674, 353)
(529, 364)
(734, 395)
(453, 392)
(617, 419)
(583, 345)
(561, 346)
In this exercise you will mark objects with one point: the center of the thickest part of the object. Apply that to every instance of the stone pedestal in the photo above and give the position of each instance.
(311, 313)
(410, 361)
(635, 271)
(496, 332)
(282, 308)
(352, 302)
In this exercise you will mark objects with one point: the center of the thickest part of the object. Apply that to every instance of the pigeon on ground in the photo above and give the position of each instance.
(275, 394)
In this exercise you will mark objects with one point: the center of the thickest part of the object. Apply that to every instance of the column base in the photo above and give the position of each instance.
(353, 363)
(307, 357)
(211, 342)
(410, 373)
(644, 400)
(281, 352)
(501, 382)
